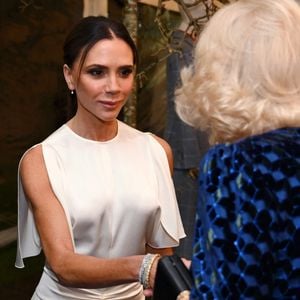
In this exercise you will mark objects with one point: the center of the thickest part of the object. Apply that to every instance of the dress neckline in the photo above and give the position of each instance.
(94, 141)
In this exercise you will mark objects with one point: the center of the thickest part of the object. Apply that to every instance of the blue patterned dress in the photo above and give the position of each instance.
(247, 237)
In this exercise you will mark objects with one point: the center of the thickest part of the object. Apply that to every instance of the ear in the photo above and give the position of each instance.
(69, 77)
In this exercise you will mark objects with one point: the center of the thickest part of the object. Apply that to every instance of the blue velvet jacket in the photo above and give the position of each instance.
(247, 236)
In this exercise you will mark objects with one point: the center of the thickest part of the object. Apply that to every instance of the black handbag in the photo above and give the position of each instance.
(172, 277)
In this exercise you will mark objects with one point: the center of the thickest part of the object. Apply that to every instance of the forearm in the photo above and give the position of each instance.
(91, 272)
(161, 251)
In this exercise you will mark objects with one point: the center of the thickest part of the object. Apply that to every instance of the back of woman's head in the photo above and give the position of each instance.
(88, 32)
(246, 75)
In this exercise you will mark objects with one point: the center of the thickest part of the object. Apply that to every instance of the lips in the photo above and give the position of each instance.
(110, 104)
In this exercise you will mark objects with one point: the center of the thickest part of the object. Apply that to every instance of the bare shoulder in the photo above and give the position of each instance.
(31, 159)
(163, 143)
(34, 176)
(167, 149)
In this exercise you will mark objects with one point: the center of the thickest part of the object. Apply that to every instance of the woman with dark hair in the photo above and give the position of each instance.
(97, 195)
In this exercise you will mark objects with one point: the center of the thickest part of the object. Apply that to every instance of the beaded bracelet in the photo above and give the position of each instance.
(144, 274)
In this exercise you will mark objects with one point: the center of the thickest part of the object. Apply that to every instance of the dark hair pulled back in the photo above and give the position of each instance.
(88, 32)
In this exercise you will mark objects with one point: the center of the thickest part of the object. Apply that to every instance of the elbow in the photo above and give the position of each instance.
(64, 279)
(62, 272)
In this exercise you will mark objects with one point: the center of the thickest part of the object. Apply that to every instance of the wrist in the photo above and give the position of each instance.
(149, 261)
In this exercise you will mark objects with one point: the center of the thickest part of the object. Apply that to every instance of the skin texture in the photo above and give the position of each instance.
(102, 87)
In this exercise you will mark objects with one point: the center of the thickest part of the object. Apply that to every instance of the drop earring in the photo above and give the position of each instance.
(72, 92)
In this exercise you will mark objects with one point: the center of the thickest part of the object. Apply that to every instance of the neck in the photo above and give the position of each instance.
(98, 131)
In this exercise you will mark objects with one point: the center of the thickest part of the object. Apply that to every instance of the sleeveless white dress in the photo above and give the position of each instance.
(117, 195)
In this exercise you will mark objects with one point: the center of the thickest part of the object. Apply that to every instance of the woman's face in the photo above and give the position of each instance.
(105, 80)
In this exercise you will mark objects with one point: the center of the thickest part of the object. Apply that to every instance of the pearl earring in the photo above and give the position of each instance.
(72, 92)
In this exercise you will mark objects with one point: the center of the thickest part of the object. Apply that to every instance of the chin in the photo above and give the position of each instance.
(108, 118)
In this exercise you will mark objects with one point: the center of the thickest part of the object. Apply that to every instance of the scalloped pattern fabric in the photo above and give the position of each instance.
(247, 235)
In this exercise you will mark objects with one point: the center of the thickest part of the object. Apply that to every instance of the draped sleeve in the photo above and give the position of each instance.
(28, 243)
(168, 228)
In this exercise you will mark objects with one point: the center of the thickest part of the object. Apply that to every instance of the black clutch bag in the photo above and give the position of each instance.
(172, 277)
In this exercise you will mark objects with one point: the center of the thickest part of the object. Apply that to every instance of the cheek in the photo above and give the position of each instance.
(90, 86)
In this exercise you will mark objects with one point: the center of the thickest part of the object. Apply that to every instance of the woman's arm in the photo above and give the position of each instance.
(168, 151)
(70, 268)
(149, 249)
(161, 251)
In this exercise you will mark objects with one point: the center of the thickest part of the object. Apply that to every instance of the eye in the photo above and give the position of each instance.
(96, 72)
(125, 72)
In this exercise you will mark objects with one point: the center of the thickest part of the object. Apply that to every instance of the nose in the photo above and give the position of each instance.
(112, 84)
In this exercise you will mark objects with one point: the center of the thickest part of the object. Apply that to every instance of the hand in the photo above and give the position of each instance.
(184, 295)
(148, 292)
(186, 262)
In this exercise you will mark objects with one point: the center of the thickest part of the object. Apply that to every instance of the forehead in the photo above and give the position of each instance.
(110, 51)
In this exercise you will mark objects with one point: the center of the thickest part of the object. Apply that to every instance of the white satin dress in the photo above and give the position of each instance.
(117, 195)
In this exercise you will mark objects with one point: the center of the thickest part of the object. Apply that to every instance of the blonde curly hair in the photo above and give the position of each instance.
(245, 79)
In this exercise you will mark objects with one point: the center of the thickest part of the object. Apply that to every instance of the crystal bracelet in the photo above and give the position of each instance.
(144, 274)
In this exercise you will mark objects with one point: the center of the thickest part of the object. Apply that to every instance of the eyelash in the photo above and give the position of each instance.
(124, 73)
(96, 72)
